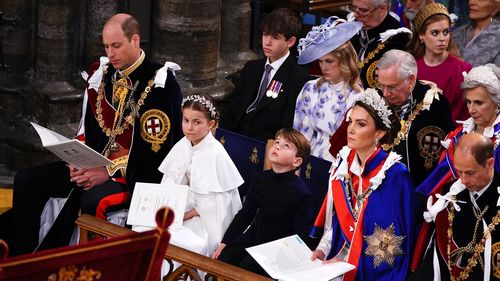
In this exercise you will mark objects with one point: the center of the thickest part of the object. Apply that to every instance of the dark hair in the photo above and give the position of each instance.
(481, 150)
(282, 21)
(391, 133)
(130, 26)
(299, 140)
(417, 48)
(199, 106)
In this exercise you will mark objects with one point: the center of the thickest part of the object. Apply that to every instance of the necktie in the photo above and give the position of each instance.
(262, 88)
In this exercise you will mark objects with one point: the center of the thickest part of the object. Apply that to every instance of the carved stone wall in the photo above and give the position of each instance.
(46, 43)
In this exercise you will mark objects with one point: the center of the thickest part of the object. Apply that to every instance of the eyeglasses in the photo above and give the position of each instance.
(392, 88)
(360, 11)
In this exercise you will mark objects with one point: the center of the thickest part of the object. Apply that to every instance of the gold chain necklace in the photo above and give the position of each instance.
(478, 248)
(118, 128)
(371, 55)
(360, 198)
(405, 127)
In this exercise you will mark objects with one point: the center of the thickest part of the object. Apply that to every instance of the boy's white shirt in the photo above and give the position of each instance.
(276, 65)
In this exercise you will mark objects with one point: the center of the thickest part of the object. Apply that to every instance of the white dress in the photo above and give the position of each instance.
(213, 180)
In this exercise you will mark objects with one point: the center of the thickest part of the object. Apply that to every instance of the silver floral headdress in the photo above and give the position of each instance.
(325, 38)
(486, 76)
(372, 98)
(203, 101)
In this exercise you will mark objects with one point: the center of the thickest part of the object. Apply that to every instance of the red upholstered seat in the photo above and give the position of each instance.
(137, 256)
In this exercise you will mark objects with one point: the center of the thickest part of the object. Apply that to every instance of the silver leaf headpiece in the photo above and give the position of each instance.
(203, 101)
(372, 98)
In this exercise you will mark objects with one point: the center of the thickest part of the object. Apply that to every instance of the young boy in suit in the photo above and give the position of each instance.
(283, 201)
(265, 95)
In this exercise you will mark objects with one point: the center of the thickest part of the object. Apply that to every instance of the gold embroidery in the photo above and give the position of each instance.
(72, 273)
(384, 245)
(371, 74)
(370, 55)
(222, 140)
(119, 163)
(495, 259)
(429, 144)
(405, 127)
(308, 171)
(155, 126)
(118, 125)
(476, 248)
(254, 157)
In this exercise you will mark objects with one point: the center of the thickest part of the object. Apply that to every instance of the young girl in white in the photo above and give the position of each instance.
(201, 162)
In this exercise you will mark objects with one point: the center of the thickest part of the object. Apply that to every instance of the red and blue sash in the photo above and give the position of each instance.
(352, 230)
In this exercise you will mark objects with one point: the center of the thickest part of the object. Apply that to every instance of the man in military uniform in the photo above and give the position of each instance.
(381, 32)
(466, 244)
(423, 109)
(131, 115)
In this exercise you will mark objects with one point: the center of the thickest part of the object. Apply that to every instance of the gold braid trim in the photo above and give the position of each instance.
(371, 55)
(120, 126)
(405, 127)
(478, 248)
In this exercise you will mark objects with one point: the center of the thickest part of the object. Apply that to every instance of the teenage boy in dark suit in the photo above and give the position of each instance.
(265, 96)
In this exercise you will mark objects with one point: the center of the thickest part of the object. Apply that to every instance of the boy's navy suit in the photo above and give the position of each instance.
(271, 113)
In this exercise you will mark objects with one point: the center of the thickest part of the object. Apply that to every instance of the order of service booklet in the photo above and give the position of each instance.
(147, 198)
(71, 151)
(289, 259)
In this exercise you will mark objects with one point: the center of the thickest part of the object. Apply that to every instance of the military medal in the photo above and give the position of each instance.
(274, 89)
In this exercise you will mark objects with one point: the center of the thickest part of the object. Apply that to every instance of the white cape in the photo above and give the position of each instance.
(214, 182)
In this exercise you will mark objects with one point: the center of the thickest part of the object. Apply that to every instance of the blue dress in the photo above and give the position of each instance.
(376, 233)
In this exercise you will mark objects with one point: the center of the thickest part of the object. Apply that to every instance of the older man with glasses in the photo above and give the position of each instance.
(423, 109)
(381, 32)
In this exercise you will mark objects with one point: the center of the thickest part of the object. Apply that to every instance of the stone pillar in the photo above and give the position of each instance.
(187, 32)
(97, 13)
(15, 34)
(54, 52)
(235, 34)
(48, 99)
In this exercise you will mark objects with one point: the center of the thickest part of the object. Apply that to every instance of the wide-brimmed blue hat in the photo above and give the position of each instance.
(325, 38)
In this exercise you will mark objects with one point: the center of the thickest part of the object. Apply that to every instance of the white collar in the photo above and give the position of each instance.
(336, 87)
(277, 63)
(341, 164)
(469, 126)
(480, 192)
(356, 167)
(203, 143)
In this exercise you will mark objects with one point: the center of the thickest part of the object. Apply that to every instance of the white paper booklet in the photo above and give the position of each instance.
(71, 151)
(147, 198)
(289, 259)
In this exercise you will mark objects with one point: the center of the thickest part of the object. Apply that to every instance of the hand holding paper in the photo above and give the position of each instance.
(71, 151)
(289, 259)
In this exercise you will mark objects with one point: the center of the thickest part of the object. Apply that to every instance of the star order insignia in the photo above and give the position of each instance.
(384, 245)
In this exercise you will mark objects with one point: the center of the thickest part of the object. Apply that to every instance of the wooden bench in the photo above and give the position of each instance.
(191, 262)
(5, 199)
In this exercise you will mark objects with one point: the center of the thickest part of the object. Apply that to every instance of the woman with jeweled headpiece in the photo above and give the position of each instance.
(438, 57)
(323, 102)
(481, 88)
(367, 218)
